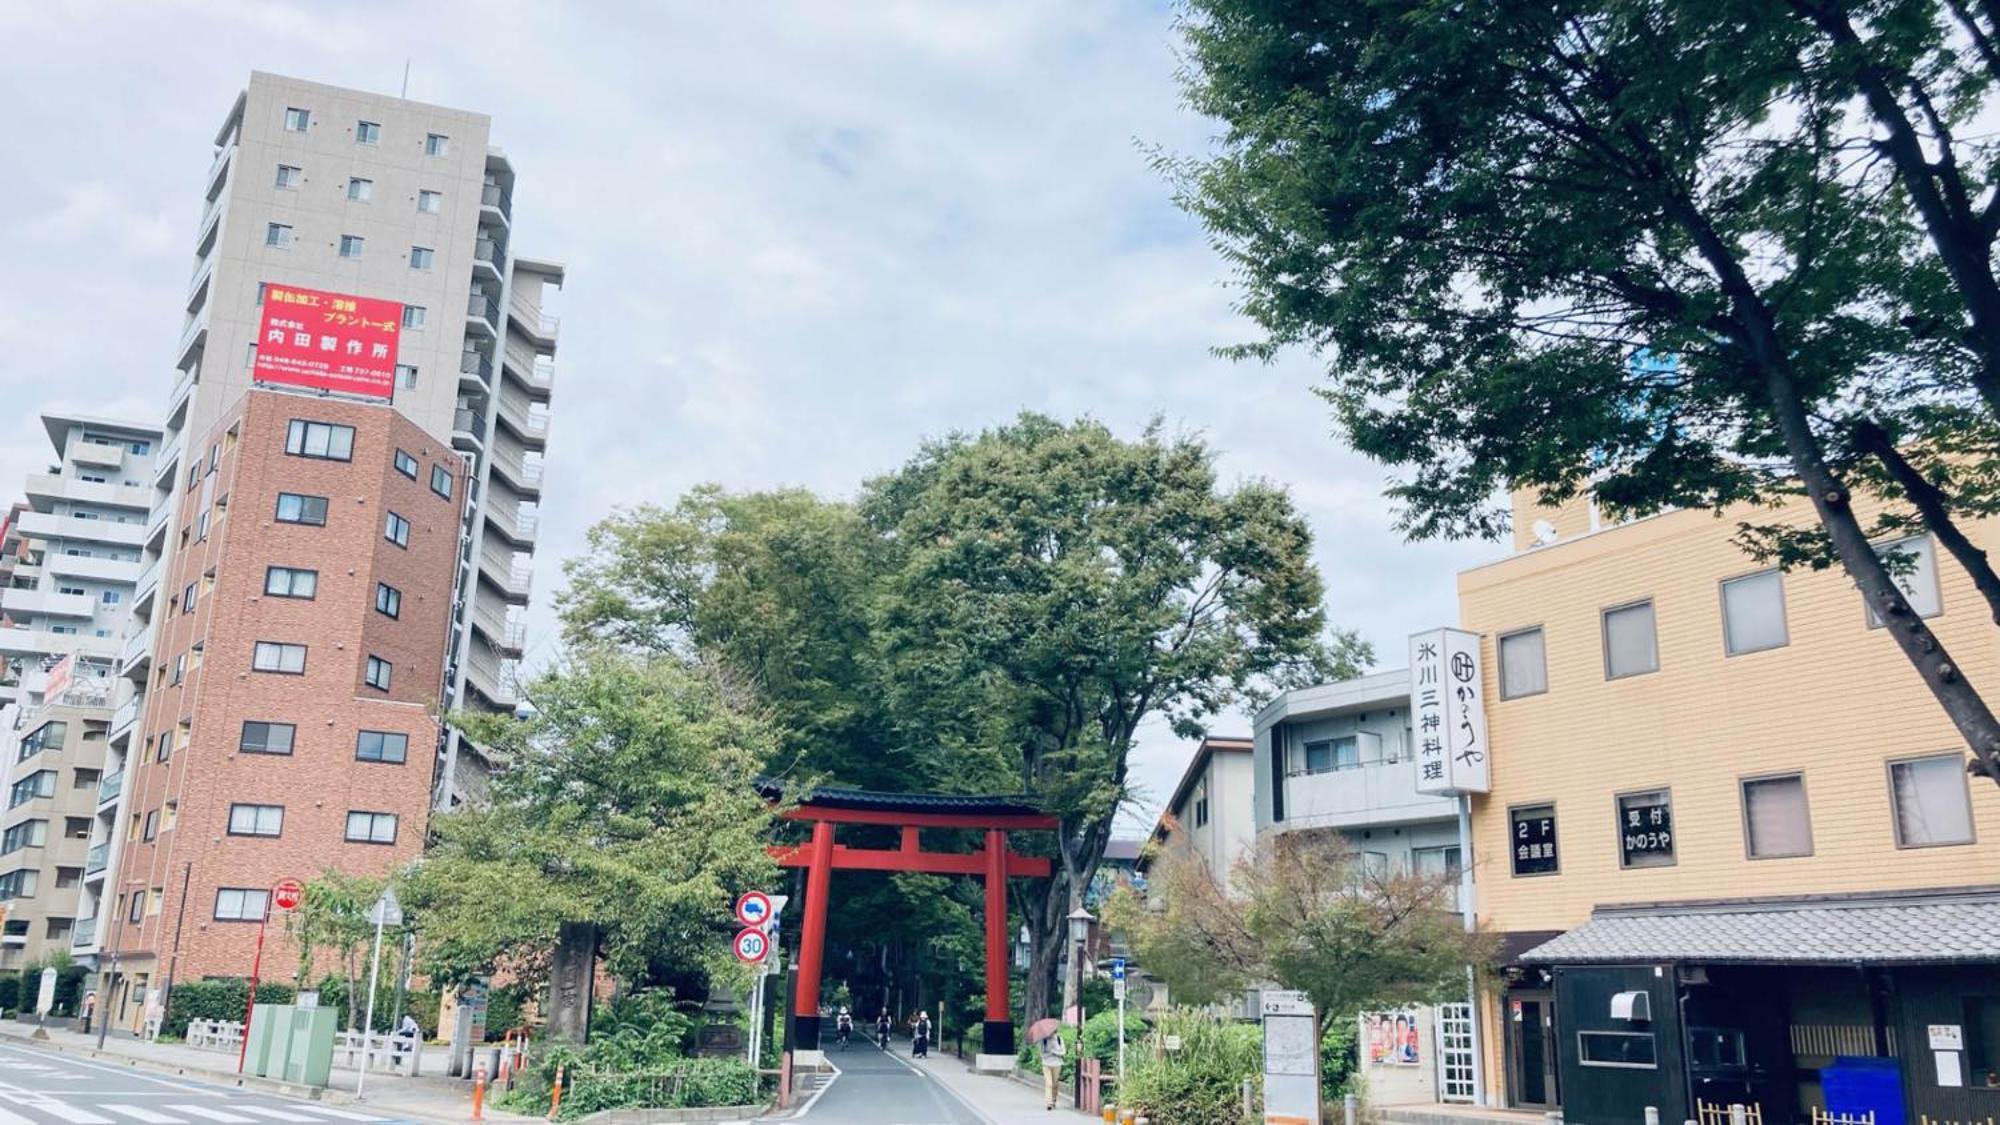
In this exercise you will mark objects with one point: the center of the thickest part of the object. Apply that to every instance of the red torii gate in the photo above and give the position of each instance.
(910, 812)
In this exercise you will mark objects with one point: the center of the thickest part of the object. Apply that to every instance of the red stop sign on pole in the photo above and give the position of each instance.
(288, 894)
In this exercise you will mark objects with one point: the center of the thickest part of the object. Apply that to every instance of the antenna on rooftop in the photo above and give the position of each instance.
(406, 80)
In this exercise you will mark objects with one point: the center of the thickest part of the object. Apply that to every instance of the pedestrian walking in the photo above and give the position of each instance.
(89, 1009)
(1053, 1055)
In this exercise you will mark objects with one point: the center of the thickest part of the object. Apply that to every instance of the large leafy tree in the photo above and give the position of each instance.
(1639, 248)
(1057, 587)
(628, 805)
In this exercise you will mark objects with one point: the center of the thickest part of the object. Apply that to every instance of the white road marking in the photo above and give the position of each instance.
(329, 1111)
(214, 1114)
(12, 1119)
(124, 1071)
(274, 1114)
(67, 1112)
(136, 1114)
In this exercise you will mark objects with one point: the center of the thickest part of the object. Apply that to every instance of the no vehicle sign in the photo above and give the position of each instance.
(754, 908)
(752, 947)
(288, 894)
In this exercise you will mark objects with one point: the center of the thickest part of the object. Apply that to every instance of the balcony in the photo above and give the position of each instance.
(38, 642)
(147, 586)
(215, 170)
(178, 401)
(508, 636)
(475, 371)
(126, 715)
(43, 525)
(1369, 794)
(517, 472)
(110, 787)
(92, 567)
(512, 579)
(205, 231)
(50, 487)
(46, 603)
(530, 426)
(497, 200)
(530, 368)
(99, 454)
(482, 312)
(539, 326)
(96, 858)
(193, 338)
(491, 677)
(489, 256)
(165, 465)
(137, 656)
(84, 935)
(514, 525)
(468, 429)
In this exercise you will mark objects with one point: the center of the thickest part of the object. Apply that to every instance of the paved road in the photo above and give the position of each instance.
(44, 1088)
(878, 1087)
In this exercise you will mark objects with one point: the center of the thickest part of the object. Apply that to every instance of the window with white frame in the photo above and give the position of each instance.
(430, 202)
(1933, 806)
(297, 120)
(1753, 612)
(406, 376)
(1912, 563)
(1524, 668)
(290, 176)
(360, 190)
(1630, 646)
(367, 132)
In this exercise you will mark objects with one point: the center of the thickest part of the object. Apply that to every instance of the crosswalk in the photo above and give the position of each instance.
(22, 1108)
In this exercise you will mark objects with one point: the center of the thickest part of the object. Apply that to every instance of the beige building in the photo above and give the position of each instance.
(1730, 843)
(1213, 808)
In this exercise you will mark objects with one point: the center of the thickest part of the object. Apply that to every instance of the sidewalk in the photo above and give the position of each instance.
(1001, 1100)
(432, 1097)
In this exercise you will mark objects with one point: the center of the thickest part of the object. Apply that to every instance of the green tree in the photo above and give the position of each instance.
(332, 919)
(1306, 914)
(1057, 586)
(1626, 247)
(627, 804)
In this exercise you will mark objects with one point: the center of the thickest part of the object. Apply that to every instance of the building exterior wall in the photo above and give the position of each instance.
(191, 767)
(1214, 808)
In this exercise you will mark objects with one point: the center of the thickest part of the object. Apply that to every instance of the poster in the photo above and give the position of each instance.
(1391, 1039)
(328, 341)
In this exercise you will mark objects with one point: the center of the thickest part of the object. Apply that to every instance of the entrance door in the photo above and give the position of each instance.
(1531, 1050)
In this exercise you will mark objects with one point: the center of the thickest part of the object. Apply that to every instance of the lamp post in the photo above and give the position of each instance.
(1079, 934)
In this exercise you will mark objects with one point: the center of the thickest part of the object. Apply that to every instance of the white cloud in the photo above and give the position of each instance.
(801, 238)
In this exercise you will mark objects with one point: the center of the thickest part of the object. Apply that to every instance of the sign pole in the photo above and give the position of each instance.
(250, 1008)
(368, 1020)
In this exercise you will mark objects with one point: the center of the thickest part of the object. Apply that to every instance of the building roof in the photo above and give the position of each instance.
(1123, 851)
(58, 423)
(1904, 928)
(1362, 693)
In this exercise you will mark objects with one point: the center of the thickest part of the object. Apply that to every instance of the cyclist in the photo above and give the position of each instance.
(882, 1028)
(846, 1026)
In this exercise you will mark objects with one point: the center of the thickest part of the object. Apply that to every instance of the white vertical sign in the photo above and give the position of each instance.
(1448, 712)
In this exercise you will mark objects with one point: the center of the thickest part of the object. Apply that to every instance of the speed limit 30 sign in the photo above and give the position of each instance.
(752, 946)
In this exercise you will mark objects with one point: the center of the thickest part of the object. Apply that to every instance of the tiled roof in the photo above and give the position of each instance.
(966, 804)
(1944, 928)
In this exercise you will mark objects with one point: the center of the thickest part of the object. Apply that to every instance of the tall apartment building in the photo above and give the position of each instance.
(1730, 844)
(69, 561)
(332, 570)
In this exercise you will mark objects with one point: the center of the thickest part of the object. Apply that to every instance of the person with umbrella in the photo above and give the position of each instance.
(1046, 1035)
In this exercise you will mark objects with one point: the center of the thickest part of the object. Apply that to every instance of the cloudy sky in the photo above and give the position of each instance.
(801, 238)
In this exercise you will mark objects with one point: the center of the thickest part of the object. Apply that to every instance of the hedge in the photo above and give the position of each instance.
(216, 1000)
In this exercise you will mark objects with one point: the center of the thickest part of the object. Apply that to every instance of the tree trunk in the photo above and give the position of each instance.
(1933, 506)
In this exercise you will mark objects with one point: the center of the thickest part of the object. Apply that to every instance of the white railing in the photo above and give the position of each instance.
(399, 1054)
(215, 1035)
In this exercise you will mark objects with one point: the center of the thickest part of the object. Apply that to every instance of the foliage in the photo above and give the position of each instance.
(216, 1000)
(673, 1084)
(1302, 912)
(70, 978)
(1338, 1062)
(1687, 253)
(333, 919)
(1100, 1037)
(628, 805)
(641, 1031)
(1202, 1082)
(10, 992)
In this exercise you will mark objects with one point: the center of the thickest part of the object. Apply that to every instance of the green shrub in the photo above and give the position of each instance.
(503, 1013)
(1337, 1059)
(636, 1059)
(216, 1000)
(10, 992)
(1200, 1084)
(1100, 1037)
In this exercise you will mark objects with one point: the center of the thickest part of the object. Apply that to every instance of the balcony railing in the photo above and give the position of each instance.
(490, 251)
(474, 363)
(126, 715)
(96, 858)
(492, 195)
(110, 787)
(85, 933)
(483, 307)
(466, 422)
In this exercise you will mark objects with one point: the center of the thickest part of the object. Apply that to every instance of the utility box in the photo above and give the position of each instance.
(309, 1053)
(259, 1036)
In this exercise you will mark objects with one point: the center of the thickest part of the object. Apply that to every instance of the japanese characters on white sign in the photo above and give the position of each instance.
(1448, 712)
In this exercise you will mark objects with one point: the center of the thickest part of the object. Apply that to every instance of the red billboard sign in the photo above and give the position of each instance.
(328, 341)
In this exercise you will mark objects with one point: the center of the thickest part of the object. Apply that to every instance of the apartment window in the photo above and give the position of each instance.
(323, 440)
(272, 656)
(180, 668)
(1646, 829)
(1775, 821)
(406, 376)
(278, 234)
(396, 530)
(1629, 645)
(235, 904)
(49, 734)
(441, 481)
(297, 120)
(291, 582)
(413, 316)
(377, 673)
(1912, 563)
(250, 354)
(294, 508)
(187, 598)
(350, 245)
(406, 464)
(110, 597)
(87, 779)
(1753, 613)
(388, 600)
(371, 827)
(420, 257)
(138, 906)
(256, 820)
(430, 202)
(19, 884)
(72, 591)
(1932, 803)
(367, 132)
(201, 526)
(381, 746)
(27, 834)
(1631, 1050)
(360, 190)
(1322, 755)
(152, 824)
(163, 747)
(289, 177)
(41, 783)
(1201, 811)
(267, 738)
(1524, 667)
(1441, 863)
(436, 144)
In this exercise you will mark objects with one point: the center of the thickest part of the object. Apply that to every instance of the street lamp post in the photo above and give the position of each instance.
(1079, 934)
